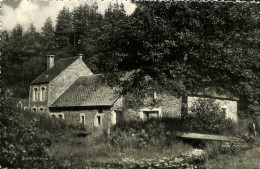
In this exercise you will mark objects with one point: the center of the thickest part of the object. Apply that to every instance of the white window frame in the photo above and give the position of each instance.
(35, 94)
(113, 117)
(141, 113)
(41, 93)
(82, 115)
(96, 119)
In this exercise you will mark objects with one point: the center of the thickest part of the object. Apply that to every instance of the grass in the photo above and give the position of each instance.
(247, 159)
(135, 140)
(94, 149)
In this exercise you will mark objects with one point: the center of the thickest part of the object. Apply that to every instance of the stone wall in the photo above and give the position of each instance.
(170, 105)
(230, 106)
(66, 78)
(167, 106)
(90, 117)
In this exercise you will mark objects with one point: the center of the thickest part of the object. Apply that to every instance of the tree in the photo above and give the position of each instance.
(198, 45)
(206, 116)
(63, 29)
(48, 36)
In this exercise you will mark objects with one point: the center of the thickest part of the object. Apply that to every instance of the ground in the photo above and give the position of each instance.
(94, 152)
(249, 159)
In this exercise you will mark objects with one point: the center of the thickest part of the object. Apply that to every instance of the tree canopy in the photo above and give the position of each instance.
(180, 47)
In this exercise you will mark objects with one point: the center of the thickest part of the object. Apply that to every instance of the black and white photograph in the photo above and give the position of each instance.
(151, 84)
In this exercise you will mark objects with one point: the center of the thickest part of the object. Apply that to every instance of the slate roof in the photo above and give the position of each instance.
(87, 91)
(53, 72)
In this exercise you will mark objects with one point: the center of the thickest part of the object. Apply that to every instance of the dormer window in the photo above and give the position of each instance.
(45, 76)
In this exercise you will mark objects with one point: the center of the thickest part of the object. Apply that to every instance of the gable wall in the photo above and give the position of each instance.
(66, 78)
(38, 103)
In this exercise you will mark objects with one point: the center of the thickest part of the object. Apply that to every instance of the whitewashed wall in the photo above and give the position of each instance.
(229, 105)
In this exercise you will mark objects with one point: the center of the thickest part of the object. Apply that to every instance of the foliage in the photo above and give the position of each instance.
(206, 116)
(180, 47)
(26, 137)
(22, 145)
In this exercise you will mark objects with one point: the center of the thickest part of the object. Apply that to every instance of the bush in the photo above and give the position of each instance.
(22, 145)
(206, 116)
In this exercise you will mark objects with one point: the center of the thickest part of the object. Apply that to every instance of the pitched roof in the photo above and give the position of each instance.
(53, 72)
(87, 91)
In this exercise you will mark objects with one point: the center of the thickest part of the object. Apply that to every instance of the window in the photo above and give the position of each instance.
(41, 110)
(224, 109)
(35, 94)
(60, 116)
(34, 110)
(43, 93)
(99, 120)
(82, 118)
(150, 113)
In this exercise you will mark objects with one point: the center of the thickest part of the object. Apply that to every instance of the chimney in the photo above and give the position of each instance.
(50, 61)
(80, 56)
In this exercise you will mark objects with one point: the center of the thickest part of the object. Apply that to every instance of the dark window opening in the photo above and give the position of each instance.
(60, 116)
(151, 114)
(224, 110)
(41, 109)
(34, 110)
(99, 120)
(83, 120)
(35, 94)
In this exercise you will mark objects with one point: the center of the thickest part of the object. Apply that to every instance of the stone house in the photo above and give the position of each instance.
(172, 106)
(69, 90)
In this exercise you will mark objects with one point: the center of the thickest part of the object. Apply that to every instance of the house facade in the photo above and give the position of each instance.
(172, 106)
(68, 90)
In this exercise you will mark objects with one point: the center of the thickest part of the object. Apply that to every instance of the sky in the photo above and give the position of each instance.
(26, 12)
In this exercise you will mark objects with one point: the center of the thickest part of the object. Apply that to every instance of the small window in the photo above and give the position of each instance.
(83, 120)
(60, 116)
(99, 120)
(35, 94)
(41, 110)
(34, 110)
(224, 110)
(46, 76)
(43, 93)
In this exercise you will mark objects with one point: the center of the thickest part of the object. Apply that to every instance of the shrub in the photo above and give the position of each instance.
(22, 145)
(206, 116)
